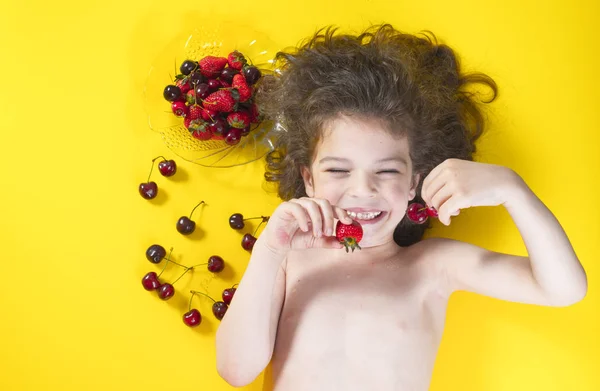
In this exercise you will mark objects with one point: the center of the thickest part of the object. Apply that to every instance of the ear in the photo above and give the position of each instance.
(413, 186)
(308, 181)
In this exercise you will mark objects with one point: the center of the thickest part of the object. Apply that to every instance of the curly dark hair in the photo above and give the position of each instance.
(413, 84)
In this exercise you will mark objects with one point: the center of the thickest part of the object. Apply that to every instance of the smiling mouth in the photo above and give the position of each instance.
(364, 215)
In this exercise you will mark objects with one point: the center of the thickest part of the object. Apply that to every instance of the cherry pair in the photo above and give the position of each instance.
(167, 168)
(236, 221)
(193, 318)
(419, 213)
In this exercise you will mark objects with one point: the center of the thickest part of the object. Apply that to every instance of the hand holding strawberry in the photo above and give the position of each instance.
(304, 223)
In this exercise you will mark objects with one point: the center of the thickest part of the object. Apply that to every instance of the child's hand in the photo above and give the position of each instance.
(303, 223)
(459, 184)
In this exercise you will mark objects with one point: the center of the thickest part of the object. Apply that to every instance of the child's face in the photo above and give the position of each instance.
(361, 168)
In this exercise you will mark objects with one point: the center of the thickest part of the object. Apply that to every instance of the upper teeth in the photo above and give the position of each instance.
(363, 215)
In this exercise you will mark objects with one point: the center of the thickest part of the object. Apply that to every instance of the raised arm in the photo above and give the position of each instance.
(551, 274)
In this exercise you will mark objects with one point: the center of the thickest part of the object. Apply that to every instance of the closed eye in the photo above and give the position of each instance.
(335, 170)
(388, 172)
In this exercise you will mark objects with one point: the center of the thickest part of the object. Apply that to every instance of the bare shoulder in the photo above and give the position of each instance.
(432, 256)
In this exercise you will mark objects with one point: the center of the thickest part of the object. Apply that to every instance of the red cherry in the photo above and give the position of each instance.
(219, 309)
(192, 318)
(248, 242)
(417, 213)
(228, 295)
(150, 281)
(166, 291)
(167, 167)
(214, 84)
(179, 109)
(234, 136)
(208, 115)
(216, 264)
(148, 190)
(432, 212)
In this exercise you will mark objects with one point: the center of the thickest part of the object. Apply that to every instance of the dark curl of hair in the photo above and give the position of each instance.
(411, 84)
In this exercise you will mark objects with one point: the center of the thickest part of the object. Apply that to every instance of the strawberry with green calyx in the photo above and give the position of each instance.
(239, 83)
(239, 119)
(200, 129)
(211, 66)
(223, 101)
(190, 97)
(236, 60)
(349, 234)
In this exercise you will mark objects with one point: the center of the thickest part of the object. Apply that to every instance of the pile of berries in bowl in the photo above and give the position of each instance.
(215, 97)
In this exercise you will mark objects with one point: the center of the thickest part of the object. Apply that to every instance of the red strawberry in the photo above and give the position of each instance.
(224, 84)
(209, 115)
(184, 85)
(200, 129)
(211, 66)
(222, 101)
(349, 235)
(239, 119)
(186, 122)
(245, 92)
(236, 60)
(195, 112)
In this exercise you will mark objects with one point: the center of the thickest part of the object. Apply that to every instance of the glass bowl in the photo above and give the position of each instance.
(214, 39)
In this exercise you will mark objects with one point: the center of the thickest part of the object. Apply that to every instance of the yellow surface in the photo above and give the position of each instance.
(75, 145)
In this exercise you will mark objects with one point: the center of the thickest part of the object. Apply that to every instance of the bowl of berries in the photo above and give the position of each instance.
(200, 95)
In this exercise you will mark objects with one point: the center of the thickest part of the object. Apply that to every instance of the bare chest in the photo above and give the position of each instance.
(385, 300)
(343, 320)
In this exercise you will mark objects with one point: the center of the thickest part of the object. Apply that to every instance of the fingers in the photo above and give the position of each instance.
(439, 197)
(299, 214)
(313, 209)
(321, 215)
(450, 207)
(427, 190)
(341, 215)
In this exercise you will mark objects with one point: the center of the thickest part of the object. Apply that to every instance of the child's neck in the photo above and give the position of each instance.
(370, 254)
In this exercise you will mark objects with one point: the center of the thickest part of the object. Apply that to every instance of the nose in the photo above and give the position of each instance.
(362, 185)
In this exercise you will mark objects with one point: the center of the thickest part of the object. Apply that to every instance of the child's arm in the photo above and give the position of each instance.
(551, 275)
(246, 335)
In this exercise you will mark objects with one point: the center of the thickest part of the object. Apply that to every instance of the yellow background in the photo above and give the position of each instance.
(75, 145)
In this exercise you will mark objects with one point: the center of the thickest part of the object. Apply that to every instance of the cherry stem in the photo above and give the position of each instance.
(178, 264)
(151, 168)
(204, 294)
(186, 270)
(234, 285)
(190, 305)
(256, 230)
(201, 202)
(166, 263)
(254, 218)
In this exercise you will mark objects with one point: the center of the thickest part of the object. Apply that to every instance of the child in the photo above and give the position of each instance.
(374, 123)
